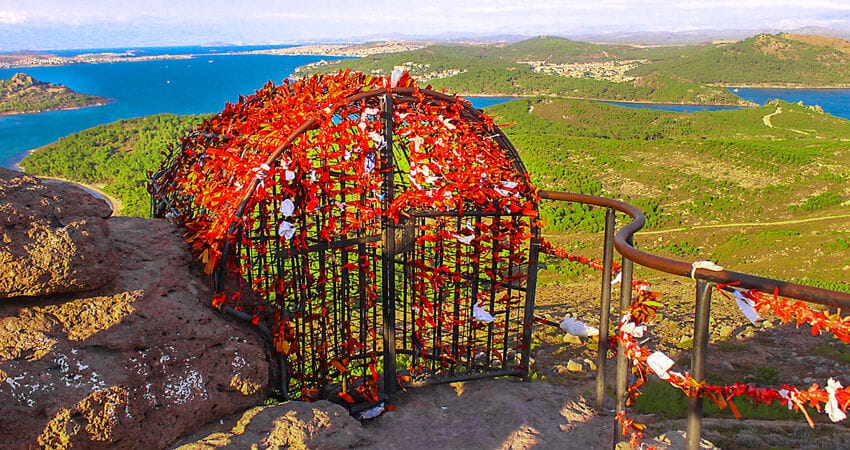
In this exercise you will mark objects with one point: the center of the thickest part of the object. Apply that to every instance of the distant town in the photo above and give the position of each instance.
(349, 50)
(36, 60)
(8, 61)
(601, 70)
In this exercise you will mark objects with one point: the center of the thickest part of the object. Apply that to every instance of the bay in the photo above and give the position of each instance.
(833, 101)
(486, 102)
(180, 86)
(171, 50)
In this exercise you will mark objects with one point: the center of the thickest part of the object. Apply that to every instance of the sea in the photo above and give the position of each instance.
(210, 78)
(833, 101)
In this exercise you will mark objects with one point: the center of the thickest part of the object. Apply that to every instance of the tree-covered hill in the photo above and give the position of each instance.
(428, 60)
(673, 74)
(713, 176)
(510, 70)
(565, 51)
(521, 81)
(683, 161)
(116, 156)
(24, 94)
(774, 60)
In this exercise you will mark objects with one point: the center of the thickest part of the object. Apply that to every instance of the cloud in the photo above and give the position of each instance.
(12, 17)
(40, 22)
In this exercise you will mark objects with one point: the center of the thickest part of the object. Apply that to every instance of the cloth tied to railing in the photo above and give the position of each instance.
(707, 265)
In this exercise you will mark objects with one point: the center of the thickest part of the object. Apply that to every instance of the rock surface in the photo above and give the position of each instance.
(135, 364)
(53, 239)
(295, 425)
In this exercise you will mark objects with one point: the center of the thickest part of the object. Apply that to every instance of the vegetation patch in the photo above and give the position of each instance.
(117, 157)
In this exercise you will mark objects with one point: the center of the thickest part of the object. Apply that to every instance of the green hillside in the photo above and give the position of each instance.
(683, 161)
(695, 174)
(671, 74)
(116, 156)
(23, 94)
(507, 70)
(775, 60)
(655, 88)
(563, 51)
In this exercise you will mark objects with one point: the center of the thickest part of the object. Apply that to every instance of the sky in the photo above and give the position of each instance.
(67, 24)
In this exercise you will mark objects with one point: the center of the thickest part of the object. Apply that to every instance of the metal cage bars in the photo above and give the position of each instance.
(391, 265)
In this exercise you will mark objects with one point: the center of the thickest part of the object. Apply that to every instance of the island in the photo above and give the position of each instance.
(23, 94)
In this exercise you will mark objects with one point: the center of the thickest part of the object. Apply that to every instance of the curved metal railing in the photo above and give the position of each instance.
(622, 240)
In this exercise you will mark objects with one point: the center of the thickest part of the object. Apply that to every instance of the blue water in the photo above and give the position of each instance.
(177, 50)
(485, 102)
(181, 86)
(833, 101)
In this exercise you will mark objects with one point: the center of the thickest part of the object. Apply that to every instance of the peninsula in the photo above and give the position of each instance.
(23, 94)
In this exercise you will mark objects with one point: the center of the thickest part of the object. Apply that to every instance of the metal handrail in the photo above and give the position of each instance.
(705, 280)
(675, 267)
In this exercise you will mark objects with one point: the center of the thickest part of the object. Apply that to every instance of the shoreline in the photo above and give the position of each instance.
(747, 104)
(17, 164)
(776, 86)
(329, 50)
(114, 203)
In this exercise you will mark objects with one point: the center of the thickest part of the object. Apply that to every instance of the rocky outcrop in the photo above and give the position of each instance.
(296, 425)
(22, 94)
(53, 239)
(136, 363)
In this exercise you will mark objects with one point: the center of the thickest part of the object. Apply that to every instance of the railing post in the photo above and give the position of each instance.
(530, 298)
(605, 308)
(622, 361)
(701, 316)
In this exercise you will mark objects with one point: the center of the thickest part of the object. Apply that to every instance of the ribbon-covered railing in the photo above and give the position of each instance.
(789, 302)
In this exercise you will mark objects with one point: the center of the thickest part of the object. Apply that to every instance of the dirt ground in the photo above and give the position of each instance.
(493, 414)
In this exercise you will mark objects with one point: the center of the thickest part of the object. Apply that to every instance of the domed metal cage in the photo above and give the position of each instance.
(385, 234)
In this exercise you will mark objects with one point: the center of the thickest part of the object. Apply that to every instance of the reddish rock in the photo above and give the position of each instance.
(53, 239)
(135, 364)
(297, 425)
